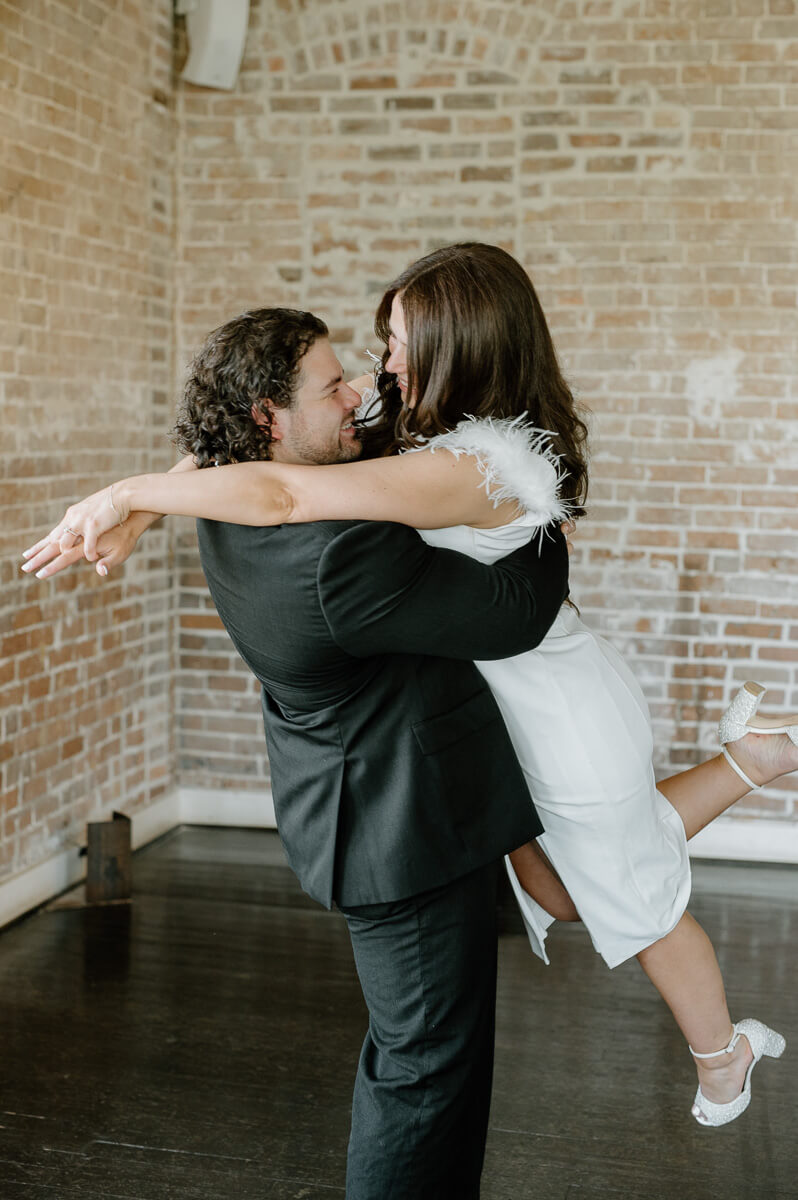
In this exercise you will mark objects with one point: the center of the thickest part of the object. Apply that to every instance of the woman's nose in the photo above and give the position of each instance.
(394, 362)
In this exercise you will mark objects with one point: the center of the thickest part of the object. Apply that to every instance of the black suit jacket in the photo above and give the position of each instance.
(392, 770)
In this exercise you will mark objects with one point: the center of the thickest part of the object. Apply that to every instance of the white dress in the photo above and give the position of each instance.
(580, 726)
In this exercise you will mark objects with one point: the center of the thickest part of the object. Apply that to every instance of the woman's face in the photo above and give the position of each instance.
(397, 346)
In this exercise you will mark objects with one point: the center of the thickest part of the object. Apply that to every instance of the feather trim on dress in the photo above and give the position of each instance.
(516, 460)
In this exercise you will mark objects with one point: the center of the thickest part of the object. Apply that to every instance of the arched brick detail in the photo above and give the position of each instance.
(348, 34)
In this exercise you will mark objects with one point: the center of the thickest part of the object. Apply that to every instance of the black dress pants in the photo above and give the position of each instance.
(427, 966)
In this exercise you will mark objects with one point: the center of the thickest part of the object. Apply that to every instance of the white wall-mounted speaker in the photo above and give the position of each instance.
(217, 31)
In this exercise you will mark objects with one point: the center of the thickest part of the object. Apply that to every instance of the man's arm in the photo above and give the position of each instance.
(383, 590)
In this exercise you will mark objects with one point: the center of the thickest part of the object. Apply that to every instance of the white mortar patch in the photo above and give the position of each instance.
(710, 382)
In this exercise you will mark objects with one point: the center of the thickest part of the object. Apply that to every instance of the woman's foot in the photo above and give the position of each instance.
(765, 757)
(758, 1040)
(722, 1079)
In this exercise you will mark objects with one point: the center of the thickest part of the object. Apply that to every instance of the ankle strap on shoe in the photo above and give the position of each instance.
(717, 1053)
(755, 787)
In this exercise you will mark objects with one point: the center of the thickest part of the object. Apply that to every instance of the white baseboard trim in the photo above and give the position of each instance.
(751, 839)
(218, 806)
(36, 885)
(155, 820)
(734, 839)
(182, 806)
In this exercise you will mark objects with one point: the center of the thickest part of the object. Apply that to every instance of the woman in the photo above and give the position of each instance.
(470, 368)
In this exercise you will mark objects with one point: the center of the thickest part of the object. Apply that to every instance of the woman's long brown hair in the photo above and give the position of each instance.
(478, 345)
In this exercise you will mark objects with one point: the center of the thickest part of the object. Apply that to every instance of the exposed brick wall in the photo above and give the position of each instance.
(640, 159)
(87, 143)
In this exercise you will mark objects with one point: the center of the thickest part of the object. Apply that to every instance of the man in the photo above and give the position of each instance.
(396, 788)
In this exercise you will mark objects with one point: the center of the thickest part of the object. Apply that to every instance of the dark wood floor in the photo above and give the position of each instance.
(201, 1043)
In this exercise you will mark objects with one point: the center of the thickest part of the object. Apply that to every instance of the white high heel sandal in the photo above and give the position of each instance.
(741, 718)
(763, 1041)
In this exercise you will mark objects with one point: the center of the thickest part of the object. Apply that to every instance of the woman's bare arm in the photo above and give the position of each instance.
(426, 490)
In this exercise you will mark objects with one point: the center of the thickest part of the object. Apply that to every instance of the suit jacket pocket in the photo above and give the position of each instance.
(436, 733)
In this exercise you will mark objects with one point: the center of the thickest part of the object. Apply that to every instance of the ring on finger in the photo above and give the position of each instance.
(74, 532)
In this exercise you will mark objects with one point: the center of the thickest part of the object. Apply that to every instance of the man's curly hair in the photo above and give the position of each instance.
(255, 357)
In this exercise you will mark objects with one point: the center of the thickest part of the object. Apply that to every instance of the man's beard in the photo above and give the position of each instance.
(304, 447)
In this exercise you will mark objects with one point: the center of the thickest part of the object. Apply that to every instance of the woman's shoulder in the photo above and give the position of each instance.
(516, 461)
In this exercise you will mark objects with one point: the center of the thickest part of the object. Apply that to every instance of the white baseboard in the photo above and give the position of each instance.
(751, 839)
(218, 806)
(741, 840)
(182, 806)
(34, 886)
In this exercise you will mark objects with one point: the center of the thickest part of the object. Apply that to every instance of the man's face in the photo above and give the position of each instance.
(318, 427)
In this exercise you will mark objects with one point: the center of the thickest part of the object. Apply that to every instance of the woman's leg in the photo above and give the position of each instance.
(684, 970)
(540, 881)
(702, 793)
(682, 966)
(699, 795)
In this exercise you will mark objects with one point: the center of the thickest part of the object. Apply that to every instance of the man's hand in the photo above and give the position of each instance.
(46, 558)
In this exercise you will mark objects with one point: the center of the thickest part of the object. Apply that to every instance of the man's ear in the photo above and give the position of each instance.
(260, 418)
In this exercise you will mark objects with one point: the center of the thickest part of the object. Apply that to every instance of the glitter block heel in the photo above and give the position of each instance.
(763, 1042)
(741, 718)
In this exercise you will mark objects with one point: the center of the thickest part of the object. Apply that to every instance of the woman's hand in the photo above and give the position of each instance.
(68, 543)
(83, 523)
(47, 558)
